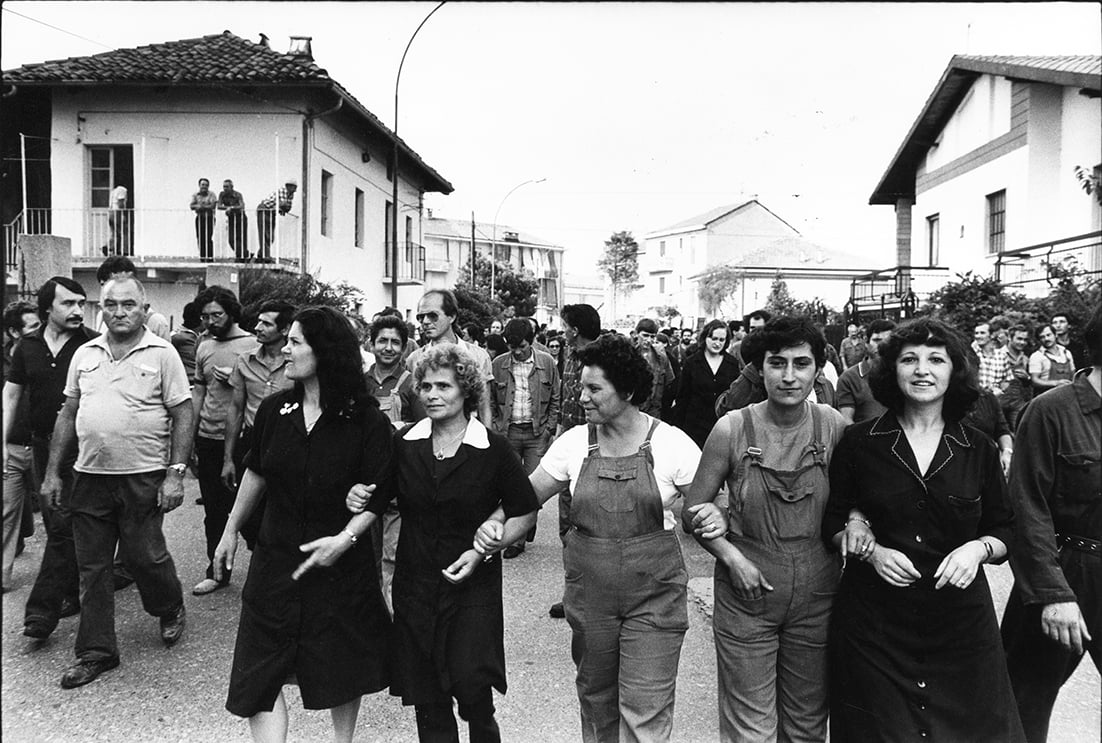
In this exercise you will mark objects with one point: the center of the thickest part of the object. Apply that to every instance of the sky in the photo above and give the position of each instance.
(636, 115)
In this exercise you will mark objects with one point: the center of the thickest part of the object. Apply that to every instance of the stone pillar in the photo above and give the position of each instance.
(903, 206)
(42, 257)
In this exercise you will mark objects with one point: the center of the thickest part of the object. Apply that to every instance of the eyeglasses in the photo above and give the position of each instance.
(430, 316)
(212, 315)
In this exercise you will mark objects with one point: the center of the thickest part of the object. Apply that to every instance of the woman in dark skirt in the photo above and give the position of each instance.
(452, 473)
(918, 504)
(311, 611)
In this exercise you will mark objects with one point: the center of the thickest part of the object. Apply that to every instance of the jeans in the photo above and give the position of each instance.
(530, 446)
(58, 578)
(20, 485)
(217, 498)
(119, 509)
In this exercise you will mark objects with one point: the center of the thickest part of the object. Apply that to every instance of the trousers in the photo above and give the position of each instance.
(436, 722)
(20, 485)
(58, 578)
(217, 498)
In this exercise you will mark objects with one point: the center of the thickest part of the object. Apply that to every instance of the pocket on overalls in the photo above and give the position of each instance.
(792, 511)
(615, 494)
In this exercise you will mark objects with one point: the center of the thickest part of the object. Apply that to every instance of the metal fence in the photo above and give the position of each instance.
(411, 263)
(1035, 269)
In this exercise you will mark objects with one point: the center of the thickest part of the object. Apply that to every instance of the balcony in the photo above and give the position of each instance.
(1035, 269)
(661, 264)
(894, 292)
(152, 237)
(439, 265)
(411, 263)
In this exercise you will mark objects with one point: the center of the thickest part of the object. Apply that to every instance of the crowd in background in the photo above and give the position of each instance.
(378, 469)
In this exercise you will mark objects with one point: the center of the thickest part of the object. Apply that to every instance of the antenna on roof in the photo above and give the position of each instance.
(264, 41)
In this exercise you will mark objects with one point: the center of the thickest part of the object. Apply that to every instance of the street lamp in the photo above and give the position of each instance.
(493, 240)
(394, 170)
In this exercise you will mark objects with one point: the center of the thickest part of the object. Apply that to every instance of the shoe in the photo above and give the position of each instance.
(172, 626)
(557, 612)
(86, 671)
(207, 585)
(69, 608)
(122, 581)
(36, 631)
(513, 550)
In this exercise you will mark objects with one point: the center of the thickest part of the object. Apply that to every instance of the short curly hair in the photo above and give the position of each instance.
(461, 363)
(963, 388)
(622, 364)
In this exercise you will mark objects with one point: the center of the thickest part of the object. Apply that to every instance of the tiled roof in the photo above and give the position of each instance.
(1079, 71)
(223, 57)
(459, 229)
(218, 59)
(703, 219)
(794, 251)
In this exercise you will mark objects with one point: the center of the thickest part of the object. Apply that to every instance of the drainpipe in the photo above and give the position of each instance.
(307, 145)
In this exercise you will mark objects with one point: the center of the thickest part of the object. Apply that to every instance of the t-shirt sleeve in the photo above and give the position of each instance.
(676, 456)
(202, 355)
(1037, 363)
(845, 397)
(72, 386)
(174, 383)
(237, 377)
(514, 488)
(17, 372)
(557, 461)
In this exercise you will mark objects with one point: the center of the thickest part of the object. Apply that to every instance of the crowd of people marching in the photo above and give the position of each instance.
(379, 472)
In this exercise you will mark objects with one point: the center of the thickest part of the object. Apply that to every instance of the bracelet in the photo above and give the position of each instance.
(990, 550)
(863, 521)
(351, 536)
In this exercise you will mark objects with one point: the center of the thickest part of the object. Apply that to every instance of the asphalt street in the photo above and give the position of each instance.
(178, 694)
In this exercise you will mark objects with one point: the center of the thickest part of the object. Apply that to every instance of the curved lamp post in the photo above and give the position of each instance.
(493, 240)
(394, 170)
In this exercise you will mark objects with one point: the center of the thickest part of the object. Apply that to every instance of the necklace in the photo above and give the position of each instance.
(439, 453)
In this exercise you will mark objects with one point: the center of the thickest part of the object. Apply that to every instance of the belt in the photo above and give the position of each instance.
(1082, 544)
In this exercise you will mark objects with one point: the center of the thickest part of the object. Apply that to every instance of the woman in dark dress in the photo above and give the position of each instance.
(452, 473)
(919, 500)
(311, 609)
(704, 376)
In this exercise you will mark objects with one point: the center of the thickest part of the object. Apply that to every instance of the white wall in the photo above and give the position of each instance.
(982, 116)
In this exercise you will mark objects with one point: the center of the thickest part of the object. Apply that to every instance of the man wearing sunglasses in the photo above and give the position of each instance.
(436, 314)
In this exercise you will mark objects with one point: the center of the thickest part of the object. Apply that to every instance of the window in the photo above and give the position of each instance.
(661, 248)
(661, 284)
(109, 167)
(409, 239)
(996, 222)
(933, 238)
(359, 217)
(326, 203)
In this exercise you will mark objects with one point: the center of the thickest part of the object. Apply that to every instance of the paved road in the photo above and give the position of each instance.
(177, 694)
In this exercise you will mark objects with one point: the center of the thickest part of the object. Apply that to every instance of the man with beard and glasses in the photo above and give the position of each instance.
(40, 363)
(210, 395)
(256, 375)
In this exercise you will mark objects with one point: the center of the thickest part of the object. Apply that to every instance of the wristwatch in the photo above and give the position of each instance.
(179, 469)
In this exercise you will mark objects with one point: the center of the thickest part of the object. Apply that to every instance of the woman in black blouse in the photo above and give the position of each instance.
(704, 376)
(311, 609)
(452, 473)
(918, 503)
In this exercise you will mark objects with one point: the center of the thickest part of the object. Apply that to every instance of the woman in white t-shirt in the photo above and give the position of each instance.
(625, 594)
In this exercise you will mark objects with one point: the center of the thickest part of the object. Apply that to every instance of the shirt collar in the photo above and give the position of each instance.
(149, 338)
(475, 436)
(889, 423)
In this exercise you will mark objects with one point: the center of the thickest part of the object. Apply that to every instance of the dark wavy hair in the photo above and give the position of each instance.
(583, 318)
(389, 322)
(226, 299)
(13, 315)
(48, 291)
(781, 333)
(963, 388)
(623, 365)
(339, 365)
(707, 332)
(285, 312)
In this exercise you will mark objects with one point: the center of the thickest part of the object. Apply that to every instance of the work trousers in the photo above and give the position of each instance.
(20, 485)
(110, 510)
(436, 722)
(58, 578)
(530, 445)
(1039, 666)
(217, 498)
(204, 234)
(771, 653)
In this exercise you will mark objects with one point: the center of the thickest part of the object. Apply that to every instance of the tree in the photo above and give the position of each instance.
(515, 292)
(476, 307)
(621, 261)
(717, 285)
(780, 301)
(1090, 181)
(666, 312)
(973, 299)
(302, 290)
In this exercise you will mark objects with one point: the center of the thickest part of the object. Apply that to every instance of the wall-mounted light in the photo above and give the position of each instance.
(365, 157)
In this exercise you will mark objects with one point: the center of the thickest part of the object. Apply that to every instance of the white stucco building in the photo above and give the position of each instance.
(985, 179)
(157, 118)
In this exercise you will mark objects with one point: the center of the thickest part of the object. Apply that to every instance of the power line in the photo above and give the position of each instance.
(58, 28)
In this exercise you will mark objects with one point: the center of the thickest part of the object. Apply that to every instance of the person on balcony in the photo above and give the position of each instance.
(203, 203)
(122, 228)
(237, 221)
(280, 200)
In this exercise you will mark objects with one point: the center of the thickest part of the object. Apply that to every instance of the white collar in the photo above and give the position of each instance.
(475, 436)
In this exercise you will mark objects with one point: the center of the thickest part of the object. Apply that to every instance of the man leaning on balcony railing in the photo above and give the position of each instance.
(266, 217)
(237, 221)
(203, 203)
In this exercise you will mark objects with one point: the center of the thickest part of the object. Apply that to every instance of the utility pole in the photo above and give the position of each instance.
(472, 253)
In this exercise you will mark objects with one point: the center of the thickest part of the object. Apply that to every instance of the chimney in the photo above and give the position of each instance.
(300, 48)
(264, 41)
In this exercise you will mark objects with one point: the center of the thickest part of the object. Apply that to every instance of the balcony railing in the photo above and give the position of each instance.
(411, 263)
(1036, 268)
(158, 235)
(896, 291)
(439, 265)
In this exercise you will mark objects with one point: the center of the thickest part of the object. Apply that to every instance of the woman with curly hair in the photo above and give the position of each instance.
(625, 577)
(918, 503)
(452, 473)
(311, 609)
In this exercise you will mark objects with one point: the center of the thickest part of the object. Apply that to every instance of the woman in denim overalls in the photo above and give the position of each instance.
(625, 594)
(774, 579)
